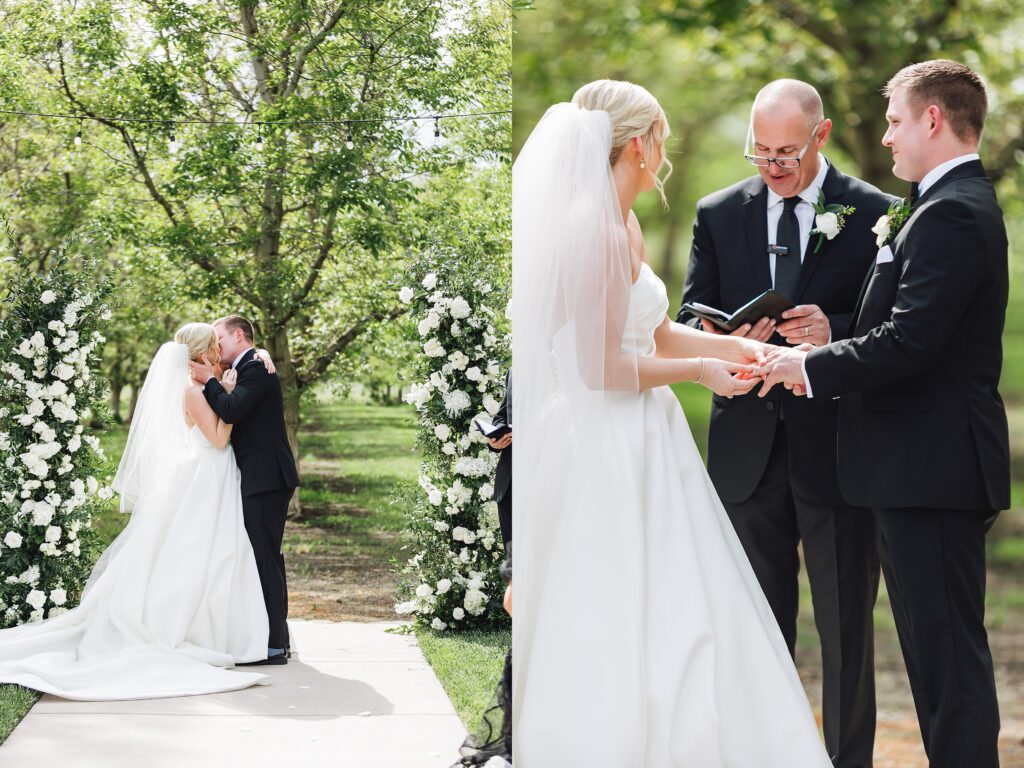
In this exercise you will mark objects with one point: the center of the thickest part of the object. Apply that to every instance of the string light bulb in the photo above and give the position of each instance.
(172, 144)
(259, 136)
(78, 136)
(437, 128)
(348, 140)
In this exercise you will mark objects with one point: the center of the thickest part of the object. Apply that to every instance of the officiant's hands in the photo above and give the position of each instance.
(501, 443)
(762, 330)
(805, 324)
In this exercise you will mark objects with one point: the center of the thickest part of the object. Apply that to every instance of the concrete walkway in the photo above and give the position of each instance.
(352, 696)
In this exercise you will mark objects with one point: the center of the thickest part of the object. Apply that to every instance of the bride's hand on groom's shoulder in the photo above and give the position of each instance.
(264, 357)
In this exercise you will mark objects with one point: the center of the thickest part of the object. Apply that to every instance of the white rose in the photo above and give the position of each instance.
(460, 308)
(441, 526)
(474, 602)
(13, 539)
(424, 590)
(42, 513)
(48, 297)
(435, 497)
(881, 229)
(443, 586)
(456, 402)
(58, 597)
(406, 295)
(430, 281)
(438, 625)
(57, 326)
(36, 598)
(491, 405)
(63, 371)
(448, 449)
(433, 348)
(827, 224)
(442, 431)
(53, 533)
(458, 360)
(404, 609)
(474, 374)
(458, 614)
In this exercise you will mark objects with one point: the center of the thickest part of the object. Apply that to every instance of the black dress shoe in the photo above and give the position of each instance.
(276, 659)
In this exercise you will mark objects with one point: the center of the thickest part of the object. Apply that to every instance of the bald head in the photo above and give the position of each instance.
(782, 98)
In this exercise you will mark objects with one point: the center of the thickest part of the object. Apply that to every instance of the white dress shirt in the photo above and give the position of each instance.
(804, 213)
(929, 180)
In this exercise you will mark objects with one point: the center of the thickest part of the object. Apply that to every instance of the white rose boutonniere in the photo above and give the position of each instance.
(889, 225)
(829, 220)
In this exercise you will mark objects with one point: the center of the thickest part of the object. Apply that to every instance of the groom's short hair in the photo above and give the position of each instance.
(957, 90)
(237, 323)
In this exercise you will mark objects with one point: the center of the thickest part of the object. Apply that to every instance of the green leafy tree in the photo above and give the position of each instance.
(290, 196)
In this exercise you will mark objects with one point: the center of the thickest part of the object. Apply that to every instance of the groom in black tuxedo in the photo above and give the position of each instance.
(923, 437)
(269, 477)
(773, 460)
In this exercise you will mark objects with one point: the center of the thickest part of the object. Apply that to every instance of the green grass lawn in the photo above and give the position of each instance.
(468, 665)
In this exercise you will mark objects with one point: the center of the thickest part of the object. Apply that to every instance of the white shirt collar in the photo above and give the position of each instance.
(939, 171)
(810, 194)
(235, 363)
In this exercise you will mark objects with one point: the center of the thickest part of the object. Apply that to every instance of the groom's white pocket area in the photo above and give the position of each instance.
(884, 255)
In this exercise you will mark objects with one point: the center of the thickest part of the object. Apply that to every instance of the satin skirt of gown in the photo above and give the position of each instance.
(173, 603)
(647, 640)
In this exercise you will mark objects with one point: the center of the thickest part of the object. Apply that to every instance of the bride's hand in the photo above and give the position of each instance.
(263, 355)
(754, 352)
(724, 378)
(230, 380)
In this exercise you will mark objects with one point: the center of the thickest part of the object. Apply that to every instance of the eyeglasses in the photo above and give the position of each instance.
(786, 163)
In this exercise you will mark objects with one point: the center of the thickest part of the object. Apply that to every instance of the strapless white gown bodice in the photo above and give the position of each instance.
(648, 303)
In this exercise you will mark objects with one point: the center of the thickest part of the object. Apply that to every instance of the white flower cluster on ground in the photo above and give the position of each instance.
(452, 580)
(49, 391)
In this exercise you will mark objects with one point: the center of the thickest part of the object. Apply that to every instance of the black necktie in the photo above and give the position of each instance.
(787, 268)
(913, 192)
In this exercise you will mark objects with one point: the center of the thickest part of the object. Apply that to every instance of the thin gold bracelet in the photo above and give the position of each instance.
(701, 376)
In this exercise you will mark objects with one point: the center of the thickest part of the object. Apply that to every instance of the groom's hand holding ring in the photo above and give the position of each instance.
(805, 324)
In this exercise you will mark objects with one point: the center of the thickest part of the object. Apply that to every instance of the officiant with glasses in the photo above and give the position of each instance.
(802, 228)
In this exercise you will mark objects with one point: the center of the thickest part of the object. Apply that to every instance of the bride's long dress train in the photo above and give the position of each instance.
(172, 604)
(650, 643)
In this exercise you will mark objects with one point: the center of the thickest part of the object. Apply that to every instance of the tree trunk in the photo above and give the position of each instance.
(134, 402)
(115, 397)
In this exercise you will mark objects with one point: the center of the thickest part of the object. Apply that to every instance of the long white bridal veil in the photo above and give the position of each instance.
(158, 446)
(570, 308)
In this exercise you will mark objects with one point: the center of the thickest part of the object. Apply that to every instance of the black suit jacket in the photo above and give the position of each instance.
(503, 474)
(259, 437)
(921, 422)
(728, 267)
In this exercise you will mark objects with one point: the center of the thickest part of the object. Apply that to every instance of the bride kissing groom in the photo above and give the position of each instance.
(195, 583)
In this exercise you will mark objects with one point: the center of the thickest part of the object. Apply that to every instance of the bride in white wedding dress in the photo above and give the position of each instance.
(641, 635)
(175, 601)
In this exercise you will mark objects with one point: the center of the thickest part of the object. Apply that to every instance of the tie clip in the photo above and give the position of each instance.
(778, 250)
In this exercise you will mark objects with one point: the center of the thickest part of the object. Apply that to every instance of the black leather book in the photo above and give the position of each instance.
(770, 303)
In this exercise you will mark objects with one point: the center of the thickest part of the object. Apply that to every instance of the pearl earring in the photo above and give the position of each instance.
(643, 164)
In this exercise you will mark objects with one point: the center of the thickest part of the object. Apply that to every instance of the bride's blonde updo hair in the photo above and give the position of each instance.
(201, 339)
(633, 112)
